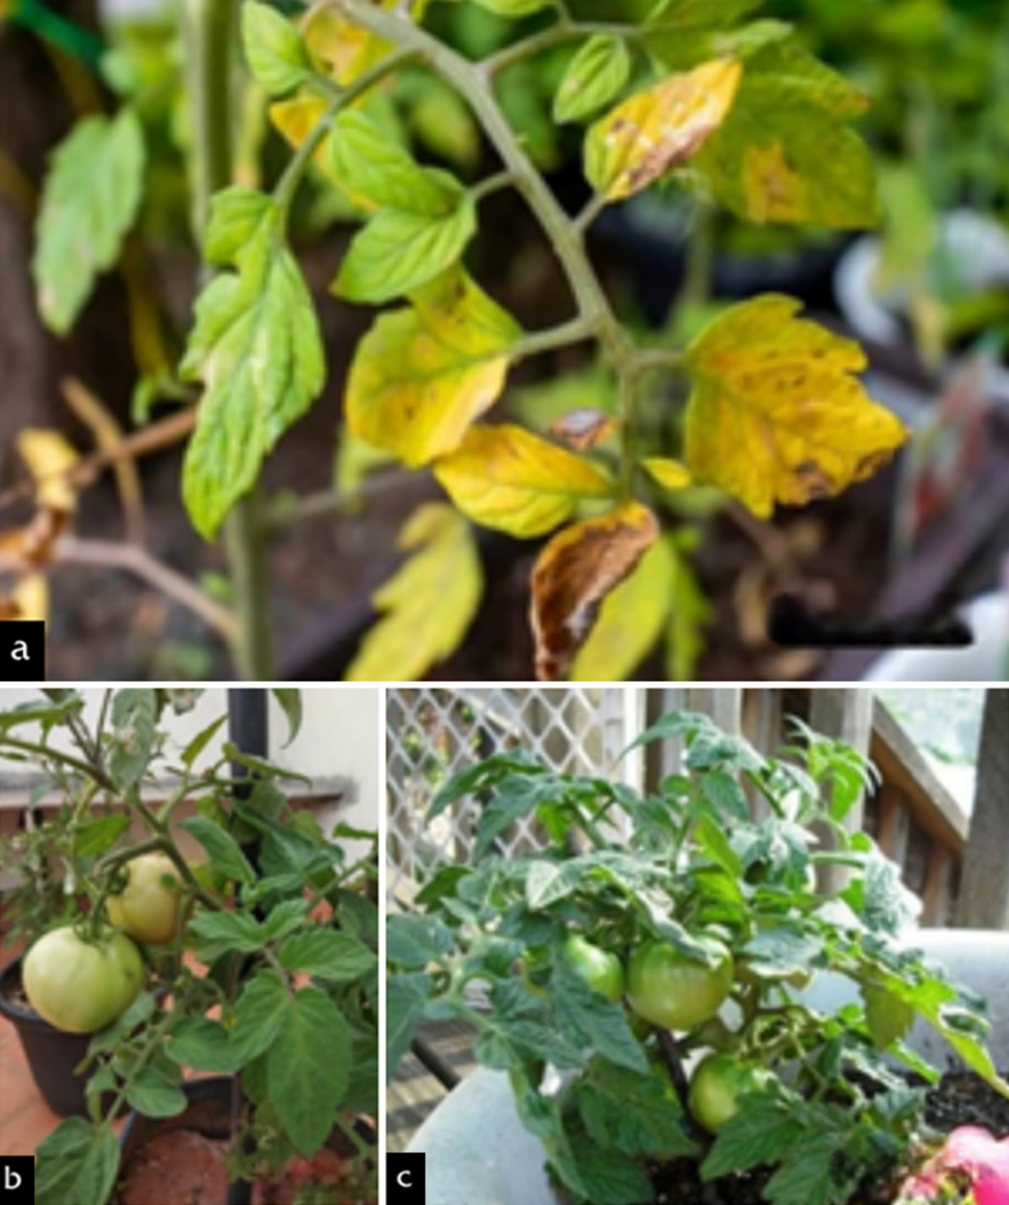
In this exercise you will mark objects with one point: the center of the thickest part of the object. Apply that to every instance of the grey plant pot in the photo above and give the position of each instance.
(479, 1152)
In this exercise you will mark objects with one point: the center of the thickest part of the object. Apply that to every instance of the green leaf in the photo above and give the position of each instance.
(202, 739)
(228, 931)
(225, 853)
(379, 174)
(289, 699)
(405, 997)
(414, 941)
(638, 1114)
(514, 8)
(888, 1018)
(784, 153)
(259, 1015)
(762, 1133)
(201, 1043)
(235, 216)
(590, 1017)
(399, 251)
(305, 1088)
(154, 1095)
(326, 954)
(273, 49)
(593, 77)
(676, 49)
(606, 1176)
(89, 200)
(100, 835)
(134, 712)
(76, 1162)
(256, 347)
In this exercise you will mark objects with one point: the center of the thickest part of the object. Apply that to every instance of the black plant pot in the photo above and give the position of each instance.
(52, 1055)
(212, 1104)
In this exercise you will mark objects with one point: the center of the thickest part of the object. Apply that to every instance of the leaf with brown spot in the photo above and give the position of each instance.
(776, 413)
(659, 129)
(574, 573)
(584, 429)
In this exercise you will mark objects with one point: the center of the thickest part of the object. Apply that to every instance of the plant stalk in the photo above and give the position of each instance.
(210, 29)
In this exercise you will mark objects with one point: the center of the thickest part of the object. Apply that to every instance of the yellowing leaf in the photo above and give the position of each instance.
(49, 458)
(657, 130)
(344, 50)
(296, 119)
(670, 474)
(428, 605)
(504, 477)
(630, 621)
(575, 572)
(785, 153)
(776, 414)
(31, 597)
(422, 375)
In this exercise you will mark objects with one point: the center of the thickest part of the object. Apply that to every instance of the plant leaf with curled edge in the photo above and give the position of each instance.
(584, 428)
(574, 573)
(421, 375)
(785, 153)
(507, 478)
(631, 620)
(342, 49)
(670, 474)
(776, 413)
(659, 129)
(428, 604)
(593, 77)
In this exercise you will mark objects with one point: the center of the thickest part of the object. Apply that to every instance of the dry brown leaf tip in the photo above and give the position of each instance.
(574, 573)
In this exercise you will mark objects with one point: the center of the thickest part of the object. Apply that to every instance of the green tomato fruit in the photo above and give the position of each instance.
(147, 908)
(717, 1084)
(670, 989)
(79, 987)
(602, 971)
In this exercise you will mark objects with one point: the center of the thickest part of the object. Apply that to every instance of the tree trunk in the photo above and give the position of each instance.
(984, 889)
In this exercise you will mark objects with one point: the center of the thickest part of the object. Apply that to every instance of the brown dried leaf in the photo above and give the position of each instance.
(583, 429)
(33, 546)
(575, 572)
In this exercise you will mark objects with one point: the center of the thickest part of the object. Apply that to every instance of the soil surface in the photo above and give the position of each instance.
(960, 1098)
(182, 1167)
(179, 1167)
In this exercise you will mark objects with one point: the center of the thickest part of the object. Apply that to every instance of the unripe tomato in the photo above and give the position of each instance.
(601, 970)
(147, 909)
(716, 1086)
(79, 987)
(669, 989)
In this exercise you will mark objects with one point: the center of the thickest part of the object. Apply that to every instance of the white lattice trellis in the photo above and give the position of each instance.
(432, 733)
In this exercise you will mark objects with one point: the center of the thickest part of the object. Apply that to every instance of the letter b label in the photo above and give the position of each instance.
(17, 1180)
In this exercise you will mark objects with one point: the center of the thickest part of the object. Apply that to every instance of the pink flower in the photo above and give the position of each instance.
(969, 1156)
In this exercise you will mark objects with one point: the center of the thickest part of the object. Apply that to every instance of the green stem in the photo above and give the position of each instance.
(547, 39)
(474, 83)
(65, 759)
(564, 335)
(209, 27)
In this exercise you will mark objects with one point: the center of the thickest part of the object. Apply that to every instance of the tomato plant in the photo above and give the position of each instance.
(148, 906)
(711, 1053)
(263, 966)
(732, 112)
(81, 986)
